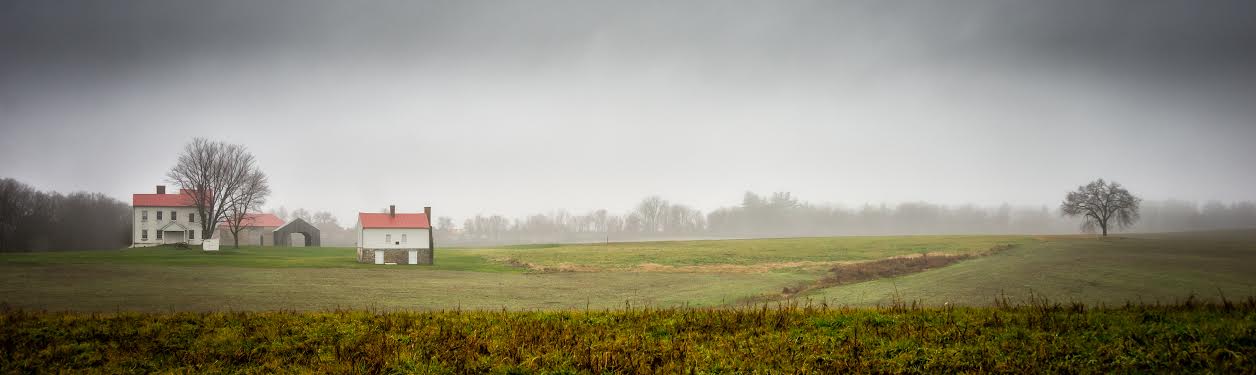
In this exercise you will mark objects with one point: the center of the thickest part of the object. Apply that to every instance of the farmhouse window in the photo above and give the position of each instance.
(388, 238)
(403, 238)
(144, 215)
(174, 216)
(191, 235)
(144, 235)
(192, 218)
(159, 234)
(158, 215)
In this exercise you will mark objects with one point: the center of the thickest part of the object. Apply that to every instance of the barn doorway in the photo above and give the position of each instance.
(287, 235)
(299, 239)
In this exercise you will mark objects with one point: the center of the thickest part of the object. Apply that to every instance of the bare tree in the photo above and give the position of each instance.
(18, 214)
(444, 228)
(324, 218)
(216, 175)
(250, 199)
(305, 214)
(281, 213)
(650, 213)
(1102, 205)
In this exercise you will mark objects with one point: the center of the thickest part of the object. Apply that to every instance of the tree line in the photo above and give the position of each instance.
(781, 214)
(33, 220)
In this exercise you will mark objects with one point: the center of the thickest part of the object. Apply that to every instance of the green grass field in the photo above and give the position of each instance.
(253, 257)
(1145, 268)
(1159, 268)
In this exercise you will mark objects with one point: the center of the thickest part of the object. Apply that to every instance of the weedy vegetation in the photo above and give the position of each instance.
(1189, 336)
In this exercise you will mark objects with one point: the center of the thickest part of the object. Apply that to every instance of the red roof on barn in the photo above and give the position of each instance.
(183, 199)
(259, 220)
(384, 220)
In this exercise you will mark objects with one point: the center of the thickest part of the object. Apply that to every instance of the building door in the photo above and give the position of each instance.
(173, 236)
(379, 257)
(414, 257)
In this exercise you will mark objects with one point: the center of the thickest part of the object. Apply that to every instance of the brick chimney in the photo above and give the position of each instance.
(161, 189)
(431, 237)
(392, 210)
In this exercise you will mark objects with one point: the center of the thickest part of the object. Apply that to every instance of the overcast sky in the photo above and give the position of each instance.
(519, 107)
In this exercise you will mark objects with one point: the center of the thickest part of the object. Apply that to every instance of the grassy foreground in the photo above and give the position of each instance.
(1095, 271)
(1037, 338)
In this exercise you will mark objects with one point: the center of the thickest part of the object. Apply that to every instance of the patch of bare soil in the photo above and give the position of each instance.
(561, 267)
(655, 267)
(865, 271)
(888, 266)
(734, 268)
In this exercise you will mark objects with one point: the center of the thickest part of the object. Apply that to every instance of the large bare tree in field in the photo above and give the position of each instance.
(250, 200)
(218, 176)
(1103, 205)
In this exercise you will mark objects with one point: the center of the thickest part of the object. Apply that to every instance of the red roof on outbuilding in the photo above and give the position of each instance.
(259, 220)
(182, 199)
(384, 220)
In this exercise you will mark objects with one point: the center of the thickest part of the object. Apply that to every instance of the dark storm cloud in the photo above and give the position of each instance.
(140, 32)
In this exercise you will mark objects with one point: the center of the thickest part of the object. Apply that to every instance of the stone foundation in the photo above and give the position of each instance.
(398, 256)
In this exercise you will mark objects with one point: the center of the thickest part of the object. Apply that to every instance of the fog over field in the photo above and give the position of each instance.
(628, 186)
(523, 107)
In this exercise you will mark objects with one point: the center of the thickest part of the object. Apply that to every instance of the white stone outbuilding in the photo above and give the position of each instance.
(397, 238)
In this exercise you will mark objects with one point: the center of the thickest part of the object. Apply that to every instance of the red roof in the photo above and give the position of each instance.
(183, 199)
(259, 220)
(383, 220)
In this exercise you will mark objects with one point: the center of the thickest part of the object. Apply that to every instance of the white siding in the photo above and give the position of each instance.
(373, 238)
(152, 224)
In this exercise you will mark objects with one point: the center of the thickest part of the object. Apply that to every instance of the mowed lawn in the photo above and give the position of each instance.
(246, 256)
(695, 273)
(1147, 268)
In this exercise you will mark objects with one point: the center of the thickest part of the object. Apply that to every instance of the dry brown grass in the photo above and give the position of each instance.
(561, 267)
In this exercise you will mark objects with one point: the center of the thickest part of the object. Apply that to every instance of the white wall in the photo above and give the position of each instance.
(373, 238)
(152, 224)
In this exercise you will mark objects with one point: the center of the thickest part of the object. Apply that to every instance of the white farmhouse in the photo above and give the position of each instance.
(393, 237)
(164, 219)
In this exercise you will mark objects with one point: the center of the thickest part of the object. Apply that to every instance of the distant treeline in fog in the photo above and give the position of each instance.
(33, 220)
(783, 215)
